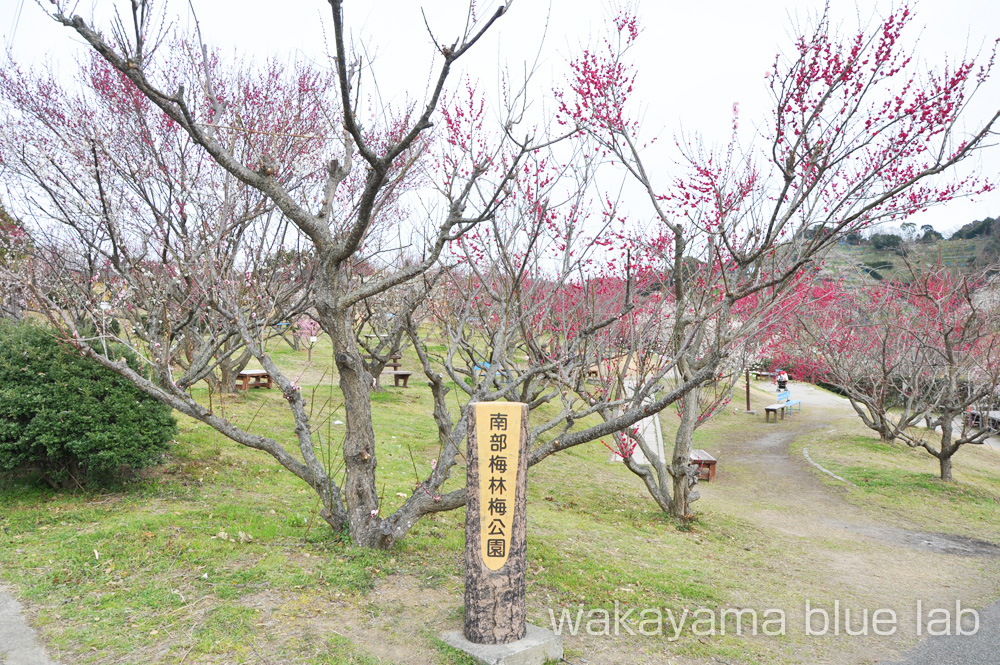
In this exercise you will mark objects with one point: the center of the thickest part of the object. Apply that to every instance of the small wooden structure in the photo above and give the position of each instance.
(398, 376)
(705, 463)
(254, 378)
(391, 368)
(393, 360)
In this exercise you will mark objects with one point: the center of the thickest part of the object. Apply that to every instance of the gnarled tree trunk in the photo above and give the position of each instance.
(360, 491)
(684, 474)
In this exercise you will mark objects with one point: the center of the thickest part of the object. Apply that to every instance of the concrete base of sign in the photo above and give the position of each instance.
(537, 647)
(749, 413)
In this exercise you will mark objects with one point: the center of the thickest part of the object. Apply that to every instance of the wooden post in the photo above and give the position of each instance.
(748, 390)
(495, 523)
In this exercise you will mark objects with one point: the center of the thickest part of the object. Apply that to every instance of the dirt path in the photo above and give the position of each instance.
(820, 510)
(860, 560)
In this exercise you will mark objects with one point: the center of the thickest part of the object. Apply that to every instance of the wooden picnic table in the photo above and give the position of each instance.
(254, 378)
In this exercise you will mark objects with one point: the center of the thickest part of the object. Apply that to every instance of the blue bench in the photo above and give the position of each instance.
(784, 403)
(480, 370)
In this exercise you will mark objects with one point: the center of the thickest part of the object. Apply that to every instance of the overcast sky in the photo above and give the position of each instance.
(694, 59)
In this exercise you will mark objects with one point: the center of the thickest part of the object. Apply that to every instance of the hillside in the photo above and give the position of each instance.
(845, 260)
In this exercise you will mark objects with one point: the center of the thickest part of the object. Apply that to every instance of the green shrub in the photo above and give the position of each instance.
(882, 241)
(874, 268)
(69, 418)
(880, 265)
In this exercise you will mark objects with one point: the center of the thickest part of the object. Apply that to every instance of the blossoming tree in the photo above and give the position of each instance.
(857, 135)
(224, 166)
(902, 352)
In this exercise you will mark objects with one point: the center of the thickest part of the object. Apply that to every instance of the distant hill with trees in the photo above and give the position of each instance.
(983, 228)
(884, 255)
(986, 234)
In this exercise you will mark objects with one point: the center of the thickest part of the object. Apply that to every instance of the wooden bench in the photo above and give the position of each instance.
(254, 378)
(393, 361)
(399, 376)
(705, 464)
(784, 403)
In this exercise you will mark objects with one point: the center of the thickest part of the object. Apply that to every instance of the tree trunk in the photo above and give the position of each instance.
(947, 449)
(374, 370)
(229, 369)
(873, 419)
(360, 492)
(684, 475)
(226, 382)
(656, 477)
(946, 468)
(227, 379)
(885, 433)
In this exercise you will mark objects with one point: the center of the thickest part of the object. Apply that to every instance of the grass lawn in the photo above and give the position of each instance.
(218, 556)
(903, 483)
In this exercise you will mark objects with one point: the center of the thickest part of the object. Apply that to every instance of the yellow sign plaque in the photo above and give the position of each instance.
(498, 438)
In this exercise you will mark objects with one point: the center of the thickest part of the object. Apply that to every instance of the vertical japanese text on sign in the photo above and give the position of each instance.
(498, 431)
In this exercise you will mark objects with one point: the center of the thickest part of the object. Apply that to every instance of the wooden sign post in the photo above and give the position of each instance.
(495, 523)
